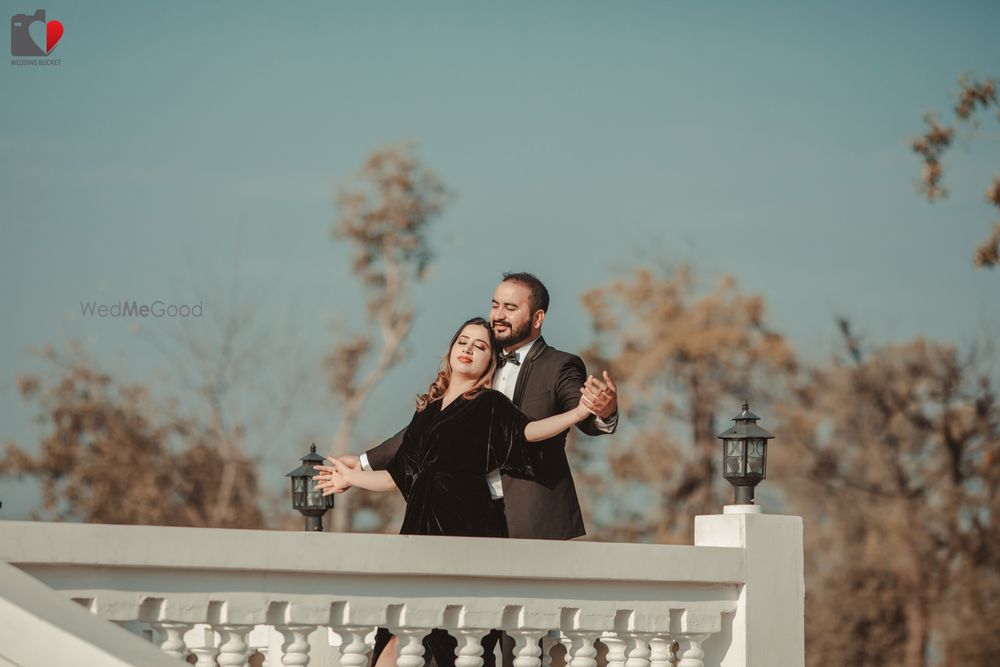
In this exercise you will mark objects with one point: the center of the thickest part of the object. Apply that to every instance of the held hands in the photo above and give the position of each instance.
(602, 396)
(586, 406)
(336, 477)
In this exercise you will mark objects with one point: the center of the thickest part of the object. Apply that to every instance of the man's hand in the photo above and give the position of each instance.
(603, 396)
(351, 461)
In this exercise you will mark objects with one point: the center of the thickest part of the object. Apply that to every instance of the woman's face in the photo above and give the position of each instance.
(470, 355)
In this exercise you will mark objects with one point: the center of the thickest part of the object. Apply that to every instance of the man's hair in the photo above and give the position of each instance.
(539, 295)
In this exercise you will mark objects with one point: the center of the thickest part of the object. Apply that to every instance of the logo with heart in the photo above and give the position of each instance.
(29, 31)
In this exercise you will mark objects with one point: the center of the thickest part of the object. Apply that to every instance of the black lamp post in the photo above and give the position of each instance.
(744, 454)
(306, 498)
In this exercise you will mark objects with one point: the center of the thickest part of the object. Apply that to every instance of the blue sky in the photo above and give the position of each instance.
(181, 147)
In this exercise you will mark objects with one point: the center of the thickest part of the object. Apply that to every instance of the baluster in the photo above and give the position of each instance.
(659, 652)
(469, 651)
(637, 651)
(526, 650)
(206, 656)
(173, 638)
(411, 647)
(233, 652)
(567, 644)
(295, 649)
(690, 652)
(582, 652)
(353, 648)
(616, 649)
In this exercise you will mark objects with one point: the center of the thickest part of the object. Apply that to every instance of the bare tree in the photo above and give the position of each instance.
(385, 216)
(973, 96)
(243, 374)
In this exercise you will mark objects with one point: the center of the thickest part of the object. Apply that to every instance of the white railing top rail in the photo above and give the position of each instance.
(36, 544)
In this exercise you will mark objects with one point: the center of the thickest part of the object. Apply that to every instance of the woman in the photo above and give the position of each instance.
(461, 430)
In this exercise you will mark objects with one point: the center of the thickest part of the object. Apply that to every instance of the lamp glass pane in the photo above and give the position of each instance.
(733, 448)
(298, 485)
(755, 456)
(733, 466)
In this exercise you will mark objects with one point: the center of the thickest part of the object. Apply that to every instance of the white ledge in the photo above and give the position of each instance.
(35, 544)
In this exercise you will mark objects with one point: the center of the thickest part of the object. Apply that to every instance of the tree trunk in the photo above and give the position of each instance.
(916, 634)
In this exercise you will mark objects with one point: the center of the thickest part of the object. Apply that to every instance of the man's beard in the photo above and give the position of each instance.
(512, 336)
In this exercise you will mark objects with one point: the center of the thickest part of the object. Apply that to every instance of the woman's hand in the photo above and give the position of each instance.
(334, 478)
(586, 406)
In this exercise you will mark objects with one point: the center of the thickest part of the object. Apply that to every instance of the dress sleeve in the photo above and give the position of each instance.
(402, 467)
(507, 443)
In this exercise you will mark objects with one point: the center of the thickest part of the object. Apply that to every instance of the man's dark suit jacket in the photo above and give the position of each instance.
(545, 507)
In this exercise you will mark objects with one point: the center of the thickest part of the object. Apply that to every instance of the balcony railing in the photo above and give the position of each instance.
(735, 599)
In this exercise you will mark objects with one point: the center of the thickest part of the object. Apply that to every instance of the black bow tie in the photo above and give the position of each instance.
(510, 357)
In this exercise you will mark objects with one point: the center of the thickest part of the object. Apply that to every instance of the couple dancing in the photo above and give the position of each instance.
(484, 454)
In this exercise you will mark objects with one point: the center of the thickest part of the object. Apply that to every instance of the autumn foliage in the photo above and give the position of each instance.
(111, 453)
(973, 97)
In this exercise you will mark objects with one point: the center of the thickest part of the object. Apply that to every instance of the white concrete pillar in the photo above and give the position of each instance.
(769, 624)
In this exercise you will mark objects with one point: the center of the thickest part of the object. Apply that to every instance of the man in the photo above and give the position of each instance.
(542, 381)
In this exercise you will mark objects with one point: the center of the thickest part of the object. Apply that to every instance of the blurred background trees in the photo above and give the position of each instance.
(113, 452)
(890, 454)
(684, 357)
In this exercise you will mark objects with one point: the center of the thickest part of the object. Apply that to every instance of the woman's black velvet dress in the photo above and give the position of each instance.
(441, 465)
(441, 468)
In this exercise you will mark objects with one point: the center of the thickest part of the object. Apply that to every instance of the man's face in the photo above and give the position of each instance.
(511, 313)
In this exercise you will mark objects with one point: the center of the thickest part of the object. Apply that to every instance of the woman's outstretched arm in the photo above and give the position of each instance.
(543, 429)
(339, 477)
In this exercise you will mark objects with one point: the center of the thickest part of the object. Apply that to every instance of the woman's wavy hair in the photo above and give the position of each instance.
(443, 379)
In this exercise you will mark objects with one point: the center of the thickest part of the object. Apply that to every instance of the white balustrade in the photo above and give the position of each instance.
(222, 595)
